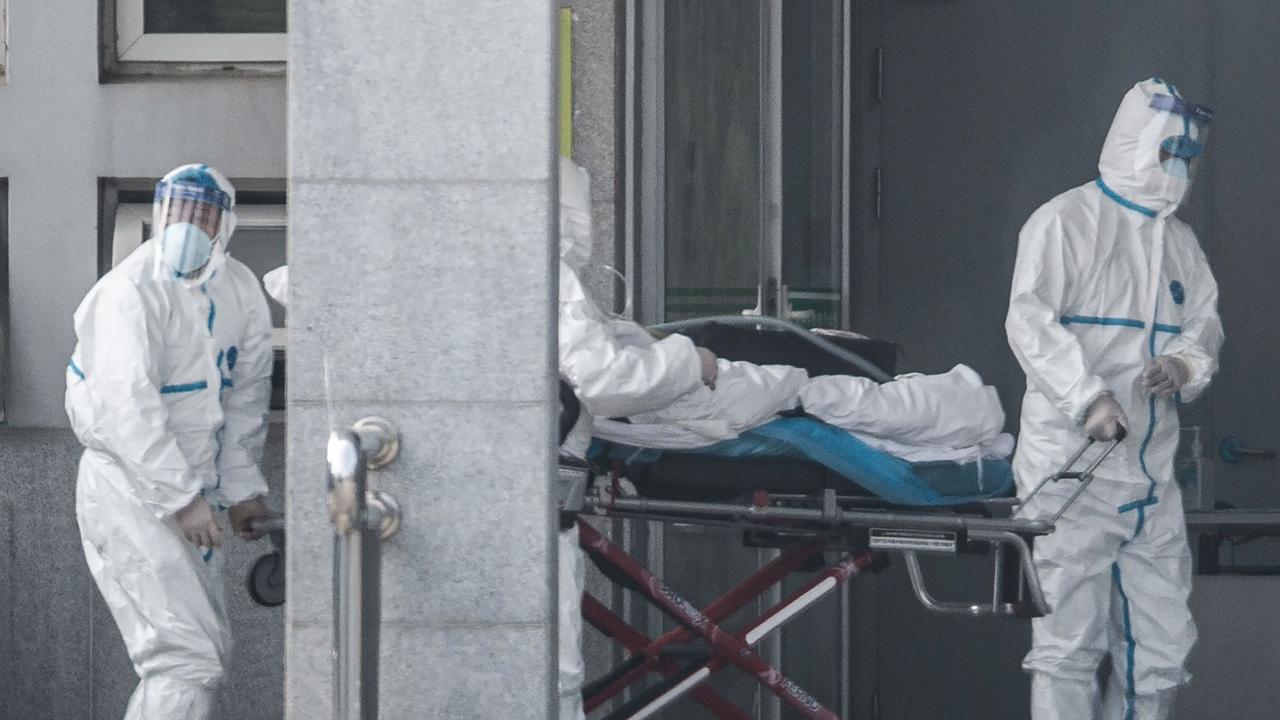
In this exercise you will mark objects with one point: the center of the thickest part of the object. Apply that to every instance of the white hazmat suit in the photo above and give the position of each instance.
(168, 391)
(1106, 280)
(615, 369)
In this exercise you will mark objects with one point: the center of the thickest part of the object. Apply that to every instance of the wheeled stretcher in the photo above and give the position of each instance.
(802, 489)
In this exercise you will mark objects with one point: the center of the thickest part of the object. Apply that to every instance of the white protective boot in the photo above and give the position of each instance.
(1055, 698)
(573, 671)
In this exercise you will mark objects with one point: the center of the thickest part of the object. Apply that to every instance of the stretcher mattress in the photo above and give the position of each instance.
(803, 455)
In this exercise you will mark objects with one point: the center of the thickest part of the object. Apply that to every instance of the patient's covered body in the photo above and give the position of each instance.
(951, 416)
(746, 396)
(919, 418)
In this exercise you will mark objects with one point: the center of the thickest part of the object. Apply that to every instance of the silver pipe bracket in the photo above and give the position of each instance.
(380, 438)
(384, 512)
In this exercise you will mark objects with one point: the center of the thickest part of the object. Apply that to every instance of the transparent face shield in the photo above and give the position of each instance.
(1176, 135)
(191, 225)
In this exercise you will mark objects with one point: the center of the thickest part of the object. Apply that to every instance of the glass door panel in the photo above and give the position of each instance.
(712, 164)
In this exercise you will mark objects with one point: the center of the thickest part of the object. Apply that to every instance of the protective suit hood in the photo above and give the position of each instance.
(1155, 141)
(575, 215)
(178, 197)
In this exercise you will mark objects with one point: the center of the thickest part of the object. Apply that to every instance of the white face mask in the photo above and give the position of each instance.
(191, 223)
(185, 247)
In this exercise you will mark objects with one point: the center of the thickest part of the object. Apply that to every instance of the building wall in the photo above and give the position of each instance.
(63, 131)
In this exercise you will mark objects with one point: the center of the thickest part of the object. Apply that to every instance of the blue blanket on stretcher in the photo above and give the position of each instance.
(893, 479)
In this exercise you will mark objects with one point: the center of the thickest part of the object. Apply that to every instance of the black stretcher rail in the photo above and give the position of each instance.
(833, 519)
(742, 321)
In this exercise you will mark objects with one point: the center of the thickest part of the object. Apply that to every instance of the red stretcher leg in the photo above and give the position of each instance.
(609, 623)
(723, 643)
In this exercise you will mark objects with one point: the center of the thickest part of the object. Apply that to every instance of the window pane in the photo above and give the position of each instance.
(712, 157)
(213, 16)
(263, 250)
(811, 168)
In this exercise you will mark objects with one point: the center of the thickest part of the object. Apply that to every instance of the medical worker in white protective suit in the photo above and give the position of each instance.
(1113, 317)
(616, 369)
(168, 391)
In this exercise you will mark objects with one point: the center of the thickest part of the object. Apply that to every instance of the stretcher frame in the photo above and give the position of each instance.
(804, 527)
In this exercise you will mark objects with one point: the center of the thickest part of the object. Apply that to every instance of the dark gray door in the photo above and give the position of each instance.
(1245, 221)
(1237, 616)
(989, 110)
(713, 245)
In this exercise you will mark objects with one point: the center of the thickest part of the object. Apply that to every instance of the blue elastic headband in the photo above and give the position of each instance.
(1178, 106)
(182, 190)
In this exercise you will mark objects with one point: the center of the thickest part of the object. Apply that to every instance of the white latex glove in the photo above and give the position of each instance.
(1165, 375)
(1105, 419)
(243, 517)
(709, 368)
(198, 525)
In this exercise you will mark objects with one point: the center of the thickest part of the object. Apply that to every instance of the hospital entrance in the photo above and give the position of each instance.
(783, 238)
(866, 167)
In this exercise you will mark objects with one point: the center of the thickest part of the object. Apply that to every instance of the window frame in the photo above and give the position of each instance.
(127, 49)
(6, 321)
(4, 40)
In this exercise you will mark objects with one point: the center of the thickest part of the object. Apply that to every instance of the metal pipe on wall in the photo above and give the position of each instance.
(363, 518)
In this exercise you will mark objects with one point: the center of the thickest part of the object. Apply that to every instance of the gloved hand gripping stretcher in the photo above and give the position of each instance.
(807, 488)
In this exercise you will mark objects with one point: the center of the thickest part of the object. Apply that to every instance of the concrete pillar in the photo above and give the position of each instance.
(422, 189)
(597, 146)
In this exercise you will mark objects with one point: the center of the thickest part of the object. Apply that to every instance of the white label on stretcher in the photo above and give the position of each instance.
(933, 541)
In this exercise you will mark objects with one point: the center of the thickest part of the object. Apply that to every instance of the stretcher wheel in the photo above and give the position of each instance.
(265, 581)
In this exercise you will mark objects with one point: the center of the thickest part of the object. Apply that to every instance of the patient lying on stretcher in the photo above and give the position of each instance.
(919, 418)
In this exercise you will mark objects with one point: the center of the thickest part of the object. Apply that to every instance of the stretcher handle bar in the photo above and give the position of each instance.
(929, 601)
(822, 343)
(686, 511)
(1025, 562)
(267, 525)
(996, 608)
(1066, 473)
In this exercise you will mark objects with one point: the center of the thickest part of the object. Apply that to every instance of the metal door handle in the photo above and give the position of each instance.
(1233, 451)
